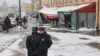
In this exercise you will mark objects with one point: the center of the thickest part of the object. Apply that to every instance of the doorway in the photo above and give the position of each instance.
(67, 19)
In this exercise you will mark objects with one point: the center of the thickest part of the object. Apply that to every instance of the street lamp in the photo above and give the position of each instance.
(32, 5)
(19, 8)
(39, 2)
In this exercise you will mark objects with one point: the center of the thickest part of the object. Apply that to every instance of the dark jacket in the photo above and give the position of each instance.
(46, 42)
(32, 43)
(24, 20)
(36, 45)
(7, 23)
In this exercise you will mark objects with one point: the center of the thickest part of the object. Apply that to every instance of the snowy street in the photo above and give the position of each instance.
(64, 44)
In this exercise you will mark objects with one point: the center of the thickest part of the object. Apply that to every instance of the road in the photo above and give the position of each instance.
(64, 43)
(14, 42)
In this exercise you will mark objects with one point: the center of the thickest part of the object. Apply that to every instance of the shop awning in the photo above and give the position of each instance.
(90, 7)
(47, 10)
(50, 16)
(49, 13)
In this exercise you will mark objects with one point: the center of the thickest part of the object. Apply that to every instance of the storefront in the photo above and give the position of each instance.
(80, 16)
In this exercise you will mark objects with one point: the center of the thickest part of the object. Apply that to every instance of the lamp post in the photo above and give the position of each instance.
(39, 2)
(32, 5)
(19, 8)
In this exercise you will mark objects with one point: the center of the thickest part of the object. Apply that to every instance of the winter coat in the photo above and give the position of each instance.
(32, 44)
(7, 23)
(46, 42)
(24, 20)
(19, 21)
(38, 45)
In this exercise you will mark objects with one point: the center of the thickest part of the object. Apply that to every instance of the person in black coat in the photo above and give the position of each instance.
(7, 24)
(24, 22)
(17, 20)
(33, 42)
(20, 21)
(38, 43)
(46, 41)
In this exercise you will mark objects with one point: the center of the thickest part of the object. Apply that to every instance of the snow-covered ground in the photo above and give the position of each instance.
(68, 44)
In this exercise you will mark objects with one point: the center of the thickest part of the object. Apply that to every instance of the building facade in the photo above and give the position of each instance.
(35, 5)
(27, 8)
(59, 3)
(13, 9)
(62, 3)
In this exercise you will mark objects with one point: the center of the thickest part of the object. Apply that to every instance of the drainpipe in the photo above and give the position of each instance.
(32, 5)
(19, 8)
(97, 27)
(99, 12)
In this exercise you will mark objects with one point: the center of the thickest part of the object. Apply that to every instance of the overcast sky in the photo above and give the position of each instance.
(12, 2)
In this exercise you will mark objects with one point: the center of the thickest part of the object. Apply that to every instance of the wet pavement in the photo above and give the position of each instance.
(92, 33)
(21, 51)
(84, 38)
(94, 45)
(23, 42)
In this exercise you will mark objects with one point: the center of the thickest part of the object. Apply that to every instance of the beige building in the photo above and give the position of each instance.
(35, 4)
(26, 7)
(59, 3)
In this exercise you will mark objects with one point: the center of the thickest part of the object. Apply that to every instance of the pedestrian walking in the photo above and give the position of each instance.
(37, 16)
(25, 22)
(20, 21)
(17, 20)
(7, 24)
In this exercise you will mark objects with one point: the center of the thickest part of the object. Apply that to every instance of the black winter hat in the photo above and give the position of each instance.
(41, 29)
(34, 29)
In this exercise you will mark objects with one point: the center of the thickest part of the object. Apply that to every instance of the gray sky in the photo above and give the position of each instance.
(11, 2)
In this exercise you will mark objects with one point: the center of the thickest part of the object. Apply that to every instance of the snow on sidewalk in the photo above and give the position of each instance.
(7, 39)
(13, 48)
(71, 44)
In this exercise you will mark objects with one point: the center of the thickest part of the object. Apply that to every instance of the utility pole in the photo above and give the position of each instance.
(32, 5)
(19, 8)
(39, 2)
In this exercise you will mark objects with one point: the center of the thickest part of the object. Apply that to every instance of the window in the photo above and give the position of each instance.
(75, 0)
(82, 0)
(58, 1)
(70, 1)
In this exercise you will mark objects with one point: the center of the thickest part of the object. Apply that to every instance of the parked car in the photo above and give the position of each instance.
(12, 18)
(1, 23)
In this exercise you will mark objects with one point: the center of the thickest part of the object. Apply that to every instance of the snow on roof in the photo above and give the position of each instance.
(71, 8)
(46, 10)
(66, 8)
(54, 10)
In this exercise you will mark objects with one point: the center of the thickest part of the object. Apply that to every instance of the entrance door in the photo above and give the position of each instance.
(67, 19)
(91, 19)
